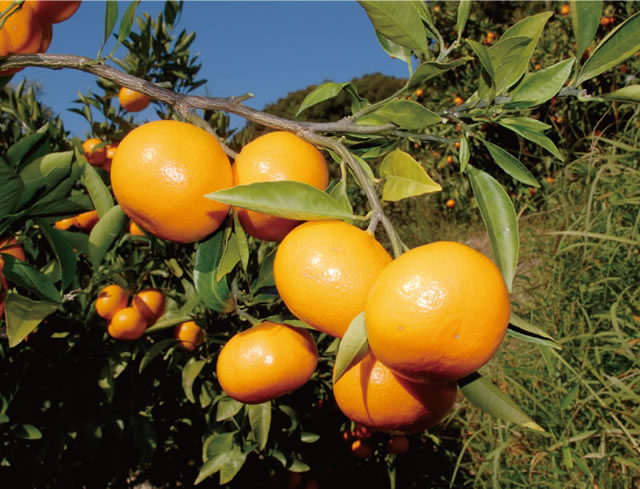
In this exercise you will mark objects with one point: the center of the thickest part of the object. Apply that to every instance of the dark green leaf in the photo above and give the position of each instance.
(189, 373)
(508, 60)
(105, 232)
(534, 136)
(585, 18)
(499, 218)
(241, 241)
(511, 165)
(25, 145)
(110, 19)
(483, 56)
(353, 347)
(154, 351)
(11, 187)
(394, 49)
(319, 94)
(27, 432)
(398, 21)
(63, 251)
(24, 275)
(407, 114)
(77, 240)
(260, 421)
(98, 191)
(265, 275)
(23, 315)
(524, 330)
(464, 7)
(483, 394)
(213, 293)
(431, 69)
(625, 94)
(44, 174)
(127, 20)
(227, 408)
(620, 44)
(286, 198)
(170, 319)
(465, 153)
(404, 177)
(217, 444)
(540, 86)
(213, 465)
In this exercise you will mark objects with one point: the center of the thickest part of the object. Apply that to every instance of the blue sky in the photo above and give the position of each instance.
(266, 48)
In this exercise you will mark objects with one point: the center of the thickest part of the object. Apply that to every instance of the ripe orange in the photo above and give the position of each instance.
(47, 36)
(458, 100)
(86, 220)
(54, 11)
(135, 230)
(150, 303)
(361, 449)
(189, 335)
(65, 224)
(451, 203)
(398, 444)
(160, 175)
(95, 156)
(419, 92)
(127, 324)
(111, 152)
(565, 9)
(111, 299)
(133, 101)
(21, 33)
(550, 180)
(266, 361)
(9, 247)
(277, 156)
(323, 271)
(437, 312)
(370, 394)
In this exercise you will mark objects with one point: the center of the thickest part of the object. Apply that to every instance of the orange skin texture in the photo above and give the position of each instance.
(438, 312)
(323, 271)
(111, 299)
(371, 394)
(160, 175)
(450, 203)
(189, 335)
(127, 324)
(273, 157)
(47, 36)
(151, 304)
(135, 230)
(54, 11)
(21, 33)
(95, 156)
(64, 224)
(9, 247)
(133, 101)
(266, 361)
(86, 220)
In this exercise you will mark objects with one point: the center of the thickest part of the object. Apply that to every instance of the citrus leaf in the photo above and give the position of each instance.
(241, 241)
(524, 330)
(511, 165)
(353, 347)
(620, 44)
(154, 351)
(394, 49)
(24, 146)
(110, 20)
(306, 437)
(339, 192)
(25, 275)
(64, 253)
(286, 198)
(44, 174)
(534, 136)
(464, 7)
(212, 465)
(213, 293)
(127, 20)
(625, 94)
(98, 191)
(486, 396)
(170, 319)
(227, 408)
(404, 177)
(464, 154)
(230, 257)
(540, 86)
(189, 373)
(321, 93)
(260, 421)
(431, 69)
(105, 232)
(217, 444)
(265, 275)
(483, 56)
(232, 464)
(407, 114)
(23, 315)
(398, 21)
(11, 187)
(27, 432)
(585, 18)
(527, 122)
(507, 59)
(499, 218)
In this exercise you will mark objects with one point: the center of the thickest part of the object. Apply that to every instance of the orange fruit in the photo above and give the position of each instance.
(438, 312)
(54, 11)
(95, 156)
(550, 180)
(111, 152)
(277, 156)
(135, 230)
(132, 101)
(127, 324)
(323, 271)
(371, 394)
(458, 100)
(419, 92)
(398, 444)
(150, 303)
(565, 9)
(47, 36)
(266, 361)
(189, 335)
(160, 175)
(9, 247)
(111, 299)
(86, 220)
(451, 203)
(20, 34)
(65, 224)
(361, 449)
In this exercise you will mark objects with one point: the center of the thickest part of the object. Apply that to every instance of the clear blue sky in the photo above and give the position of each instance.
(266, 48)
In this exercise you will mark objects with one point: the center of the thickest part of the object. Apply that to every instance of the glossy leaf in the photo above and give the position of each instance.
(170, 319)
(507, 59)
(630, 93)
(499, 218)
(585, 18)
(394, 49)
(232, 464)
(404, 177)
(105, 232)
(265, 275)
(24, 146)
(216, 444)
(524, 330)
(286, 198)
(407, 114)
(214, 293)
(23, 315)
(98, 191)
(11, 187)
(227, 408)
(526, 122)
(25, 275)
(63, 250)
(620, 44)
(321, 93)
(241, 241)
(260, 421)
(44, 174)
(339, 192)
(431, 69)
(534, 136)
(190, 371)
(353, 347)
(464, 7)
(511, 165)
(222, 446)
(540, 86)
(486, 396)
(483, 56)
(399, 22)
(230, 257)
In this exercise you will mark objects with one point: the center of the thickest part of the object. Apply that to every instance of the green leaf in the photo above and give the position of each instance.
(105, 232)
(354, 345)
(27, 432)
(23, 315)
(486, 396)
(404, 177)
(394, 49)
(431, 69)
(265, 275)
(11, 187)
(64, 253)
(227, 408)
(44, 174)
(154, 351)
(189, 373)
(216, 444)
(241, 241)
(620, 44)
(106, 382)
(511, 165)
(24, 146)
(321, 93)
(464, 154)
(223, 447)
(483, 56)
(24, 275)
(170, 319)
(499, 218)
(464, 7)
(540, 86)
(232, 465)
(526, 122)
(127, 20)
(398, 21)
(260, 421)
(98, 191)
(524, 330)
(213, 293)
(230, 257)
(110, 19)
(286, 198)
(407, 114)
(585, 18)
(507, 57)
(625, 94)
(534, 136)
(306, 437)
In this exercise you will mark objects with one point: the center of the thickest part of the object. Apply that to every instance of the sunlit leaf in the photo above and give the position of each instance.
(44, 174)
(232, 464)
(625, 94)
(407, 114)
(394, 49)
(217, 444)
(534, 136)
(510, 164)
(353, 347)
(321, 93)
(23, 316)
(105, 232)
(585, 18)
(398, 21)
(230, 257)
(464, 7)
(483, 56)
(110, 20)
(260, 421)
(189, 373)
(227, 408)
(27, 432)
(540, 86)
(524, 330)
(404, 177)
(24, 146)
(127, 20)
(98, 191)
